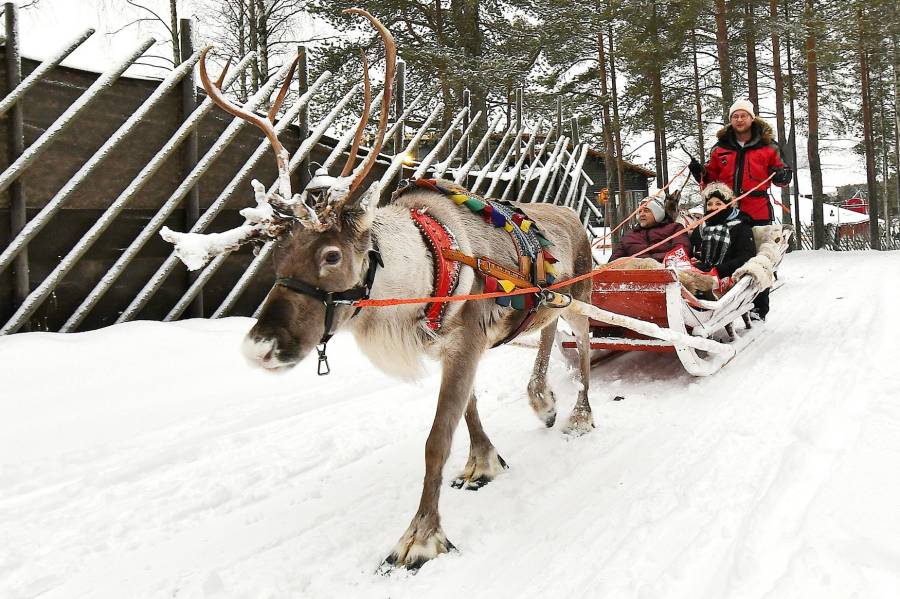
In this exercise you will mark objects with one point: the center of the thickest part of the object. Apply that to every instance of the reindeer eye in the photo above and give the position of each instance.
(331, 257)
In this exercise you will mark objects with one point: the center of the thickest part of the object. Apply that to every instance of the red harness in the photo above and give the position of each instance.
(446, 272)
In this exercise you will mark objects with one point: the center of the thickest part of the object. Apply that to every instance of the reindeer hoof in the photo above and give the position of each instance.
(543, 401)
(479, 471)
(580, 423)
(550, 420)
(412, 553)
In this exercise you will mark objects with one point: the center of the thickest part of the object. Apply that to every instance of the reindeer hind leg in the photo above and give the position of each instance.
(540, 395)
(581, 420)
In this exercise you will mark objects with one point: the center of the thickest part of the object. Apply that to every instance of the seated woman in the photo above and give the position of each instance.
(654, 225)
(723, 243)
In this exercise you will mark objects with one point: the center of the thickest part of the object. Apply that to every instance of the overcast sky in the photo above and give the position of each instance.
(47, 26)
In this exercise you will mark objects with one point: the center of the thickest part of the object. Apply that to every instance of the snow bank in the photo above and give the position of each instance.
(148, 460)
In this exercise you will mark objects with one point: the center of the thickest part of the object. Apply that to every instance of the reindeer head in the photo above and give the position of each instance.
(323, 248)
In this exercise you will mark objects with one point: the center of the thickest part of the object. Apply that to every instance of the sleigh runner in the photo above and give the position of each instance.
(650, 310)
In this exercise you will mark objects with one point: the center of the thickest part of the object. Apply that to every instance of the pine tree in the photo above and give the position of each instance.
(486, 46)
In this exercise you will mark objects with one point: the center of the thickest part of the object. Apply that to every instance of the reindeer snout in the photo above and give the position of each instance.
(262, 351)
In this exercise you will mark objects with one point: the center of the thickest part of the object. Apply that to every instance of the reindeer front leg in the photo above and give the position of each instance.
(424, 539)
(484, 463)
(540, 395)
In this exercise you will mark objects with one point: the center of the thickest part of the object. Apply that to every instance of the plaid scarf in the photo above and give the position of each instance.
(715, 236)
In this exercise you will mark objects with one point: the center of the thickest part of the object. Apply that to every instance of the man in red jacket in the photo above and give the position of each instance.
(653, 226)
(744, 156)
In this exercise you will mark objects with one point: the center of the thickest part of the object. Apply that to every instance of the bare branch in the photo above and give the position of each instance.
(135, 4)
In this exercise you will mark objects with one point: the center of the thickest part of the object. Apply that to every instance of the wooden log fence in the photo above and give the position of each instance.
(527, 164)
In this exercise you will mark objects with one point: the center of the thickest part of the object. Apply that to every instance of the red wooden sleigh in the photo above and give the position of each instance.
(700, 332)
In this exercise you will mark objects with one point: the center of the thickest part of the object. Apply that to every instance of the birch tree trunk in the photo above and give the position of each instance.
(896, 69)
(657, 153)
(262, 36)
(254, 45)
(242, 46)
(176, 45)
(660, 125)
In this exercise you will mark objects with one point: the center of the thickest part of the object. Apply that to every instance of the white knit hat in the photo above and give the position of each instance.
(742, 105)
(656, 207)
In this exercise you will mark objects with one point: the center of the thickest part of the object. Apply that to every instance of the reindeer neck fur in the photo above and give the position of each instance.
(395, 338)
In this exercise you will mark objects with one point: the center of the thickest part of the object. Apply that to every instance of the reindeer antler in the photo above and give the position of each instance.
(269, 219)
(265, 124)
(363, 118)
(390, 59)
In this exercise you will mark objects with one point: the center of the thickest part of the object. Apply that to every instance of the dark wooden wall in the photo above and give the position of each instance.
(43, 104)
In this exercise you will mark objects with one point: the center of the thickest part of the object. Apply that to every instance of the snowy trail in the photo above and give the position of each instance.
(147, 460)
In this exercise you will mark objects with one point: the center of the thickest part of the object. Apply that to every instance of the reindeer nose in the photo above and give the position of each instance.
(259, 349)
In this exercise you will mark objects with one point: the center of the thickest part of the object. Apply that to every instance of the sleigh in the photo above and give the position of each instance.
(649, 310)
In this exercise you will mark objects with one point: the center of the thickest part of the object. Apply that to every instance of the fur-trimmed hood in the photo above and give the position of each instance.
(762, 133)
(725, 190)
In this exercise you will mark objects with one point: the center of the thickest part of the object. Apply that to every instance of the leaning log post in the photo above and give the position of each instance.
(303, 119)
(399, 102)
(399, 135)
(515, 182)
(559, 121)
(467, 103)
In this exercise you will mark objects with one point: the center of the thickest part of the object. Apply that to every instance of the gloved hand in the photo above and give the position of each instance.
(782, 176)
(703, 266)
(696, 169)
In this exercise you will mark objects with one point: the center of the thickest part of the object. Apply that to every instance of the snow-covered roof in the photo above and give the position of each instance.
(833, 214)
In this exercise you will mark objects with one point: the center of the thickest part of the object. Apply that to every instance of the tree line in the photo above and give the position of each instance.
(636, 72)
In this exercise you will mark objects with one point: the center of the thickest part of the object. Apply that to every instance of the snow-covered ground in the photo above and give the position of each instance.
(148, 460)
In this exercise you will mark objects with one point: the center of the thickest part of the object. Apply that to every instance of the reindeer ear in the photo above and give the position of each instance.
(672, 203)
(361, 214)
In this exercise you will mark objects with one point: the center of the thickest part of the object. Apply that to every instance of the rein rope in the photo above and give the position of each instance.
(548, 293)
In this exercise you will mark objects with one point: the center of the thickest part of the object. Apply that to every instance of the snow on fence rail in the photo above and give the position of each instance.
(510, 167)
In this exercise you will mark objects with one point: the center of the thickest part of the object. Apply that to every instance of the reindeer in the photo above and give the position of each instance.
(335, 245)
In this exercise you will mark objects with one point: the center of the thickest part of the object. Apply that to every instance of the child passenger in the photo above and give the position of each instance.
(723, 243)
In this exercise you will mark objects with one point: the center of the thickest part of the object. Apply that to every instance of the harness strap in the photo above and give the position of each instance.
(439, 240)
(331, 299)
(486, 266)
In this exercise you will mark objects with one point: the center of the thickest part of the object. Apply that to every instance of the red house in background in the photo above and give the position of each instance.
(857, 204)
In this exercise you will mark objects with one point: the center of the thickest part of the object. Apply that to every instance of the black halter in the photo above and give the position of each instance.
(335, 298)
